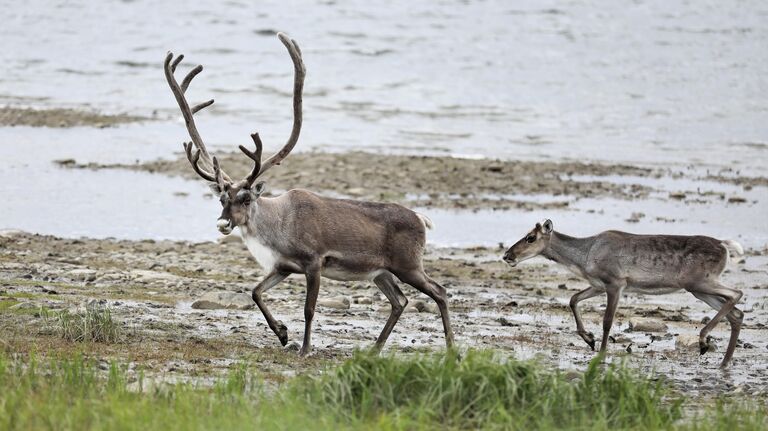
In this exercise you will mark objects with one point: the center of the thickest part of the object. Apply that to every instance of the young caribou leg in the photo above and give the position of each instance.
(722, 303)
(587, 293)
(421, 281)
(614, 294)
(388, 286)
(313, 288)
(270, 281)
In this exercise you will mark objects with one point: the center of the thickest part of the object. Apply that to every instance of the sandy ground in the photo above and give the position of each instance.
(61, 117)
(449, 182)
(150, 285)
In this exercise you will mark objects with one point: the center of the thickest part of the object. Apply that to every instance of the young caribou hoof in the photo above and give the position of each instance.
(282, 333)
(705, 346)
(589, 338)
(305, 351)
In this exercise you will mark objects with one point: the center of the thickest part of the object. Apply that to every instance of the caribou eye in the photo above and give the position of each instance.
(530, 238)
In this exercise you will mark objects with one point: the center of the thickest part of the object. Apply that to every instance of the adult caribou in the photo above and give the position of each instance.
(300, 232)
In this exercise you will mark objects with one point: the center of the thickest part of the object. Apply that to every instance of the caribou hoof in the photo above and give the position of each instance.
(305, 350)
(589, 338)
(705, 346)
(282, 333)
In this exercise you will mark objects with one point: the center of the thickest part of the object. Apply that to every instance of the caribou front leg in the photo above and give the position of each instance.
(587, 293)
(270, 281)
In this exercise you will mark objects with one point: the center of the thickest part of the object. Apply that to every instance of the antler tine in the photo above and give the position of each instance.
(298, 87)
(194, 158)
(190, 76)
(200, 106)
(217, 171)
(256, 157)
(176, 61)
(178, 92)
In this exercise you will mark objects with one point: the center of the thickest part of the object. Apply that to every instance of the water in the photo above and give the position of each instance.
(639, 82)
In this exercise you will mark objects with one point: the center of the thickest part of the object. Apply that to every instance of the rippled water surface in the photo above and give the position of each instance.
(645, 82)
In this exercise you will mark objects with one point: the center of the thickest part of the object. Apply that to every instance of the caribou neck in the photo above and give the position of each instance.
(567, 250)
(263, 217)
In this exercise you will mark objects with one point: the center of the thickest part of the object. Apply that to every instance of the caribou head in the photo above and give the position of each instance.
(236, 197)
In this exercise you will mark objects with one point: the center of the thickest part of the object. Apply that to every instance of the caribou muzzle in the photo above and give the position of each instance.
(510, 258)
(224, 226)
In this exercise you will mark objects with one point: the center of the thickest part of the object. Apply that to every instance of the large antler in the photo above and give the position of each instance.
(199, 155)
(211, 170)
(298, 86)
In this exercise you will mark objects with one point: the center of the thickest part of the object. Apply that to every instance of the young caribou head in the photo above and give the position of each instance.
(531, 245)
(236, 197)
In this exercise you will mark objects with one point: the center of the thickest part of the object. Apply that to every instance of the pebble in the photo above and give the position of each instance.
(335, 303)
(637, 324)
(224, 300)
(82, 274)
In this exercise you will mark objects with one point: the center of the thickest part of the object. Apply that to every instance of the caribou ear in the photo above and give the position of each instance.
(546, 227)
(258, 189)
(215, 189)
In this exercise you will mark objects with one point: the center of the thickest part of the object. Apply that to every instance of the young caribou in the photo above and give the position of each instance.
(614, 262)
(300, 232)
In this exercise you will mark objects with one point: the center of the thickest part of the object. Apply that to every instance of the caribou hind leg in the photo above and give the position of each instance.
(614, 294)
(313, 288)
(388, 286)
(421, 281)
(723, 300)
(270, 281)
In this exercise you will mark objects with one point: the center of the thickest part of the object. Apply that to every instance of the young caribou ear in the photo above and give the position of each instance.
(258, 189)
(546, 227)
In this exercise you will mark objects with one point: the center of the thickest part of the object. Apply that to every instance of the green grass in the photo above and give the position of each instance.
(95, 324)
(479, 390)
(424, 392)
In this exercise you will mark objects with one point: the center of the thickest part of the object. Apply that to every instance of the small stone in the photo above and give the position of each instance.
(363, 300)
(82, 274)
(293, 346)
(145, 276)
(230, 239)
(705, 320)
(224, 300)
(647, 325)
(356, 191)
(677, 195)
(336, 303)
(686, 342)
(562, 286)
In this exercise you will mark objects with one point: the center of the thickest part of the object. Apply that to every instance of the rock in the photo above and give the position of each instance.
(10, 233)
(687, 342)
(224, 300)
(145, 276)
(82, 274)
(293, 346)
(336, 303)
(356, 191)
(230, 239)
(647, 325)
(24, 306)
(419, 306)
(363, 300)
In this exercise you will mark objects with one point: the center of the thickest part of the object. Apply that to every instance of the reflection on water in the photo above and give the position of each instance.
(645, 82)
